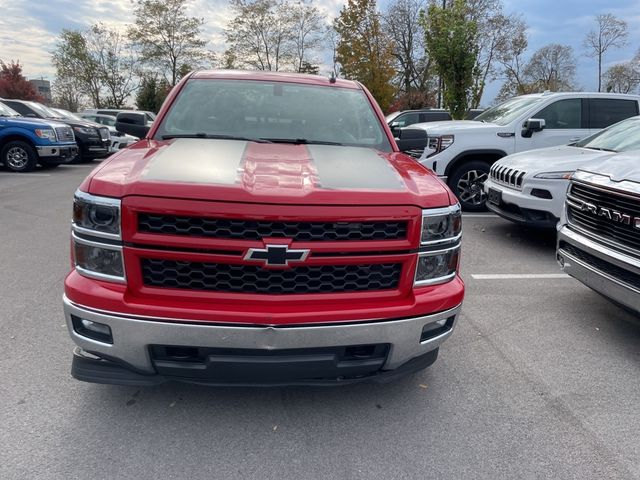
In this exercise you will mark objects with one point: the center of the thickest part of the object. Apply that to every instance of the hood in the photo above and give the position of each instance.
(28, 122)
(239, 171)
(455, 126)
(552, 159)
(77, 123)
(622, 167)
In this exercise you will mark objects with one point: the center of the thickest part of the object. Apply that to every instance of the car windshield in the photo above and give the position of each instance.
(389, 118)
(66, 114)
(620, 137)
(274, 111)
(7, 111)
(42, 110)
(508, 111)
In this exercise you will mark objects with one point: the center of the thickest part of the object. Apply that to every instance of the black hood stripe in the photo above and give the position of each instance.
(348, 168)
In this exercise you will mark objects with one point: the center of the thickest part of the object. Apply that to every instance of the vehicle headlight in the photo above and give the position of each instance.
(86, 130)
(98, 260)
(98, 216)
(438, 266)
(564, 175)
(440, 245)
(441, 225)
(440, 143)
(46, 133)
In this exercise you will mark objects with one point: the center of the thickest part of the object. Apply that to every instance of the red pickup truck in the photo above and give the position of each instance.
(265, 230)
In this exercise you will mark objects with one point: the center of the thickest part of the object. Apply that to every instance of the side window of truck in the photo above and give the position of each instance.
(563, 114)
(607, 111)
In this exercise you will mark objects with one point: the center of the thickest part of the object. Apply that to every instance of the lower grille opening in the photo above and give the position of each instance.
(433, 330)
(620, 274)
(260, 365)
(253, 279)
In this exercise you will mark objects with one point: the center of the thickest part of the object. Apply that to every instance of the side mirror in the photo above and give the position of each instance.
(132, 123)
(412, 139)
(532, 125)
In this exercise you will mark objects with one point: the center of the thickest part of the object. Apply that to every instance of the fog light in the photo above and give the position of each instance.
(93, 330)
(434, 329)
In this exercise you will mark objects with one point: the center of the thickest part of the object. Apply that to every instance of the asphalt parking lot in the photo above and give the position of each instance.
(540, 380)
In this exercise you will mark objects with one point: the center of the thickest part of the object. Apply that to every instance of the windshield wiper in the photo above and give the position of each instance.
(302, 141)
(602, 149)
(214, 136)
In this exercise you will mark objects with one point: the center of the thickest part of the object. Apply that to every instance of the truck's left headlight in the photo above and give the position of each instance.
(441, 225)
(99, 216)
(440, 237)
(438, 266)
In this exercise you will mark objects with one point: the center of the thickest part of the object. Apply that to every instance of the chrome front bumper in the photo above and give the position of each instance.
(595, 277)
(132, 336)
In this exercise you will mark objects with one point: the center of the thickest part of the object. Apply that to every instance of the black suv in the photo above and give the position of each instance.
(93, 139)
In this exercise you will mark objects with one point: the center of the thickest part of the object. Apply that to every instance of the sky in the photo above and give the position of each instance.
(28, 28)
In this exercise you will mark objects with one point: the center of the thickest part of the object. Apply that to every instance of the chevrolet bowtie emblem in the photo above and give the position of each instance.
(276, 255)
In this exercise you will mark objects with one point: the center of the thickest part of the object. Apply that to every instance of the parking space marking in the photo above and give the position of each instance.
(25, 175)
(479, 215)
(519, 276)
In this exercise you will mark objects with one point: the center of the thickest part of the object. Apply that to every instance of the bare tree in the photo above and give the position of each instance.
(511, 60)
(307, 30)
(259, 34)
(622, 78)
(552, 67)
(168, 39)
(401, 21)
(610, 32)
(117, 63)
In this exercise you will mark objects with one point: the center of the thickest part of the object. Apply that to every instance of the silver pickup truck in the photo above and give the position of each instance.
(599, 236)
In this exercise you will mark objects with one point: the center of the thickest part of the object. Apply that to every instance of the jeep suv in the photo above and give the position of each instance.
(250, 239)
(462, 152)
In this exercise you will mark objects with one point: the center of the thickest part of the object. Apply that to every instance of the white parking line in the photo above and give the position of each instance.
(519, 276)
(25, 175)
(479, 215)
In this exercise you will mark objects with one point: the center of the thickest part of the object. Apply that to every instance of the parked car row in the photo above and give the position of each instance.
(32, 134)
(462, 152)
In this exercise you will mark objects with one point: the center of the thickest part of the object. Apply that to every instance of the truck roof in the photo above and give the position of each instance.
(274, 77)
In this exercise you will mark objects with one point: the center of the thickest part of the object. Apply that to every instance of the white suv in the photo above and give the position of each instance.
(531, 187)
(464, 150)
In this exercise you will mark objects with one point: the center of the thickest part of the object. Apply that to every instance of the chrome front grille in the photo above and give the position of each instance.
(606, 215)
(65, 134)
(509, 177)
(104, 133)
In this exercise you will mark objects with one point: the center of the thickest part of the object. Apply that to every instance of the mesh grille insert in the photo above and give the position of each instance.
(253, 279)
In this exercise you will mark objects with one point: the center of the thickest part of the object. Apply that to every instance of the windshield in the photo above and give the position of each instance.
(274, 111)
(7, 112)
(620, 137)
(389, 118)
(43, 111)
(66, 114)
(508, 111)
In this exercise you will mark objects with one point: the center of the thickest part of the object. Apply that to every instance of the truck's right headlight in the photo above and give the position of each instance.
(97, 238)
(98, 260)
(98, 216)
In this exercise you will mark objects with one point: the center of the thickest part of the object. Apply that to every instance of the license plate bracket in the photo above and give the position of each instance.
(494, 196)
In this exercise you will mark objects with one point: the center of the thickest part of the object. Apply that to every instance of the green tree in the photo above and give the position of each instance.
(152, 93)
(168, 38)
(450, 38)
(364, 51)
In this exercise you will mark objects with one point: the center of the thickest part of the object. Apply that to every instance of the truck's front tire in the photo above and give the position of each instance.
(19, 156)
(467, 182)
